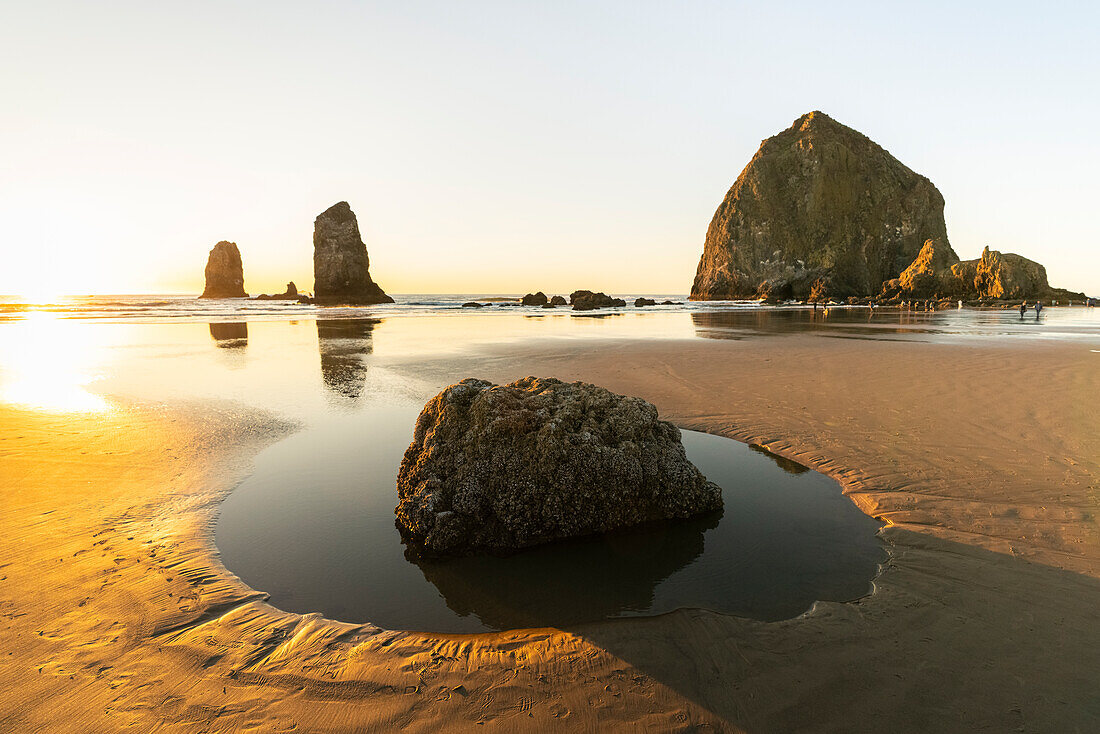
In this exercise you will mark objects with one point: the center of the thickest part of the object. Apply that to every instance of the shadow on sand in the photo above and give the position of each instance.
(1008, 654)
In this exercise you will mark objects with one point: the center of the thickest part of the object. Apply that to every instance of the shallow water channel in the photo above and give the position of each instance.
(314, 527)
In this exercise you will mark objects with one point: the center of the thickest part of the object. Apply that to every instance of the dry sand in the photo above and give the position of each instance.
(115, 611)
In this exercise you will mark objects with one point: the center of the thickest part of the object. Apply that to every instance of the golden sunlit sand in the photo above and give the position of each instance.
(116, 613)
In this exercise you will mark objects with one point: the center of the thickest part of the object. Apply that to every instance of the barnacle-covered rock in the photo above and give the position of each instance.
(501, 467)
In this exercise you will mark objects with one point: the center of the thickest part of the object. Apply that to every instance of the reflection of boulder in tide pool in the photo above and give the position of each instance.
(230, 335)
(342, 344)
(791, 467)
(616, 573)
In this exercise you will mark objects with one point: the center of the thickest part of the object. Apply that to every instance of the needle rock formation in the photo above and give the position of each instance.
(341, 268)
(224, 272)
(500, 467)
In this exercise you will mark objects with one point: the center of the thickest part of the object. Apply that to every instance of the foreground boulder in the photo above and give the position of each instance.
(341, 268)
(290, 294)
(224, 272)
(587, 300)
(818, 201)
(500, 467)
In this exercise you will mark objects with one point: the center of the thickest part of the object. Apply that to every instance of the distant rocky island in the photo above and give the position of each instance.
(823, 212)
(341, 268)
(224, 272)
(290, 294)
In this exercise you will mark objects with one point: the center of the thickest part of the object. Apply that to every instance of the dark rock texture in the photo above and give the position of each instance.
(558, 301)
(224, 272)
(474, 304)
(818, 201)
(587, 300)
(290, 294)
(341, 268)
(534, 299)
(501, 467)
(640, 302)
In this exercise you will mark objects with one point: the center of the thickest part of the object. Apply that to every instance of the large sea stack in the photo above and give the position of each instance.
(500, 467)
(340, 263)
(224, 272)
(819, 202)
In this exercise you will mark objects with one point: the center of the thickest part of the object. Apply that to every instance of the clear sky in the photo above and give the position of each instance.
(512, 146)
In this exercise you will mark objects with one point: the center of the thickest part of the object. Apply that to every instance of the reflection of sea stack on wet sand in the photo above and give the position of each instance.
(342, 344)
(229, 334)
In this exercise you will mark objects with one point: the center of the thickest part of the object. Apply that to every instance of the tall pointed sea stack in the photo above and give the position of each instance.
(340, 263)
(224, 272)
(819, 203)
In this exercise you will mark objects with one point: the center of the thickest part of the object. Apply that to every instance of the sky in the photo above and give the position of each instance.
(505, 147)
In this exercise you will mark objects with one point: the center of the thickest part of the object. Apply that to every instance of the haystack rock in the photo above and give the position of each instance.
(340, 262)
(224, 272)
(819, 202)
(495, 468)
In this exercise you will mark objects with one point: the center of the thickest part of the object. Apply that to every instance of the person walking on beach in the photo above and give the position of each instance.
(1038, 309)
(1023, 309)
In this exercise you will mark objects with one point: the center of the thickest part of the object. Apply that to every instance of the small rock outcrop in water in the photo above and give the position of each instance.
(534, 299)
(474, 304)
(501, 467)
(640, 302)
(818, 201)
(992, 277)
(224, 272)
(341, 268)
(290, 294)
(587, 300)
(558, 301)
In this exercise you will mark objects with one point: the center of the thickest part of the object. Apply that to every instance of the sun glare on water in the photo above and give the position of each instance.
(45, 364)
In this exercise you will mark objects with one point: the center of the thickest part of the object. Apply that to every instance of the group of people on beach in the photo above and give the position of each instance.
(928, 305)
(1038, 309)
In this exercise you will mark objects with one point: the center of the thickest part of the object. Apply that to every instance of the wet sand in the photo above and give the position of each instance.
(115, 611)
